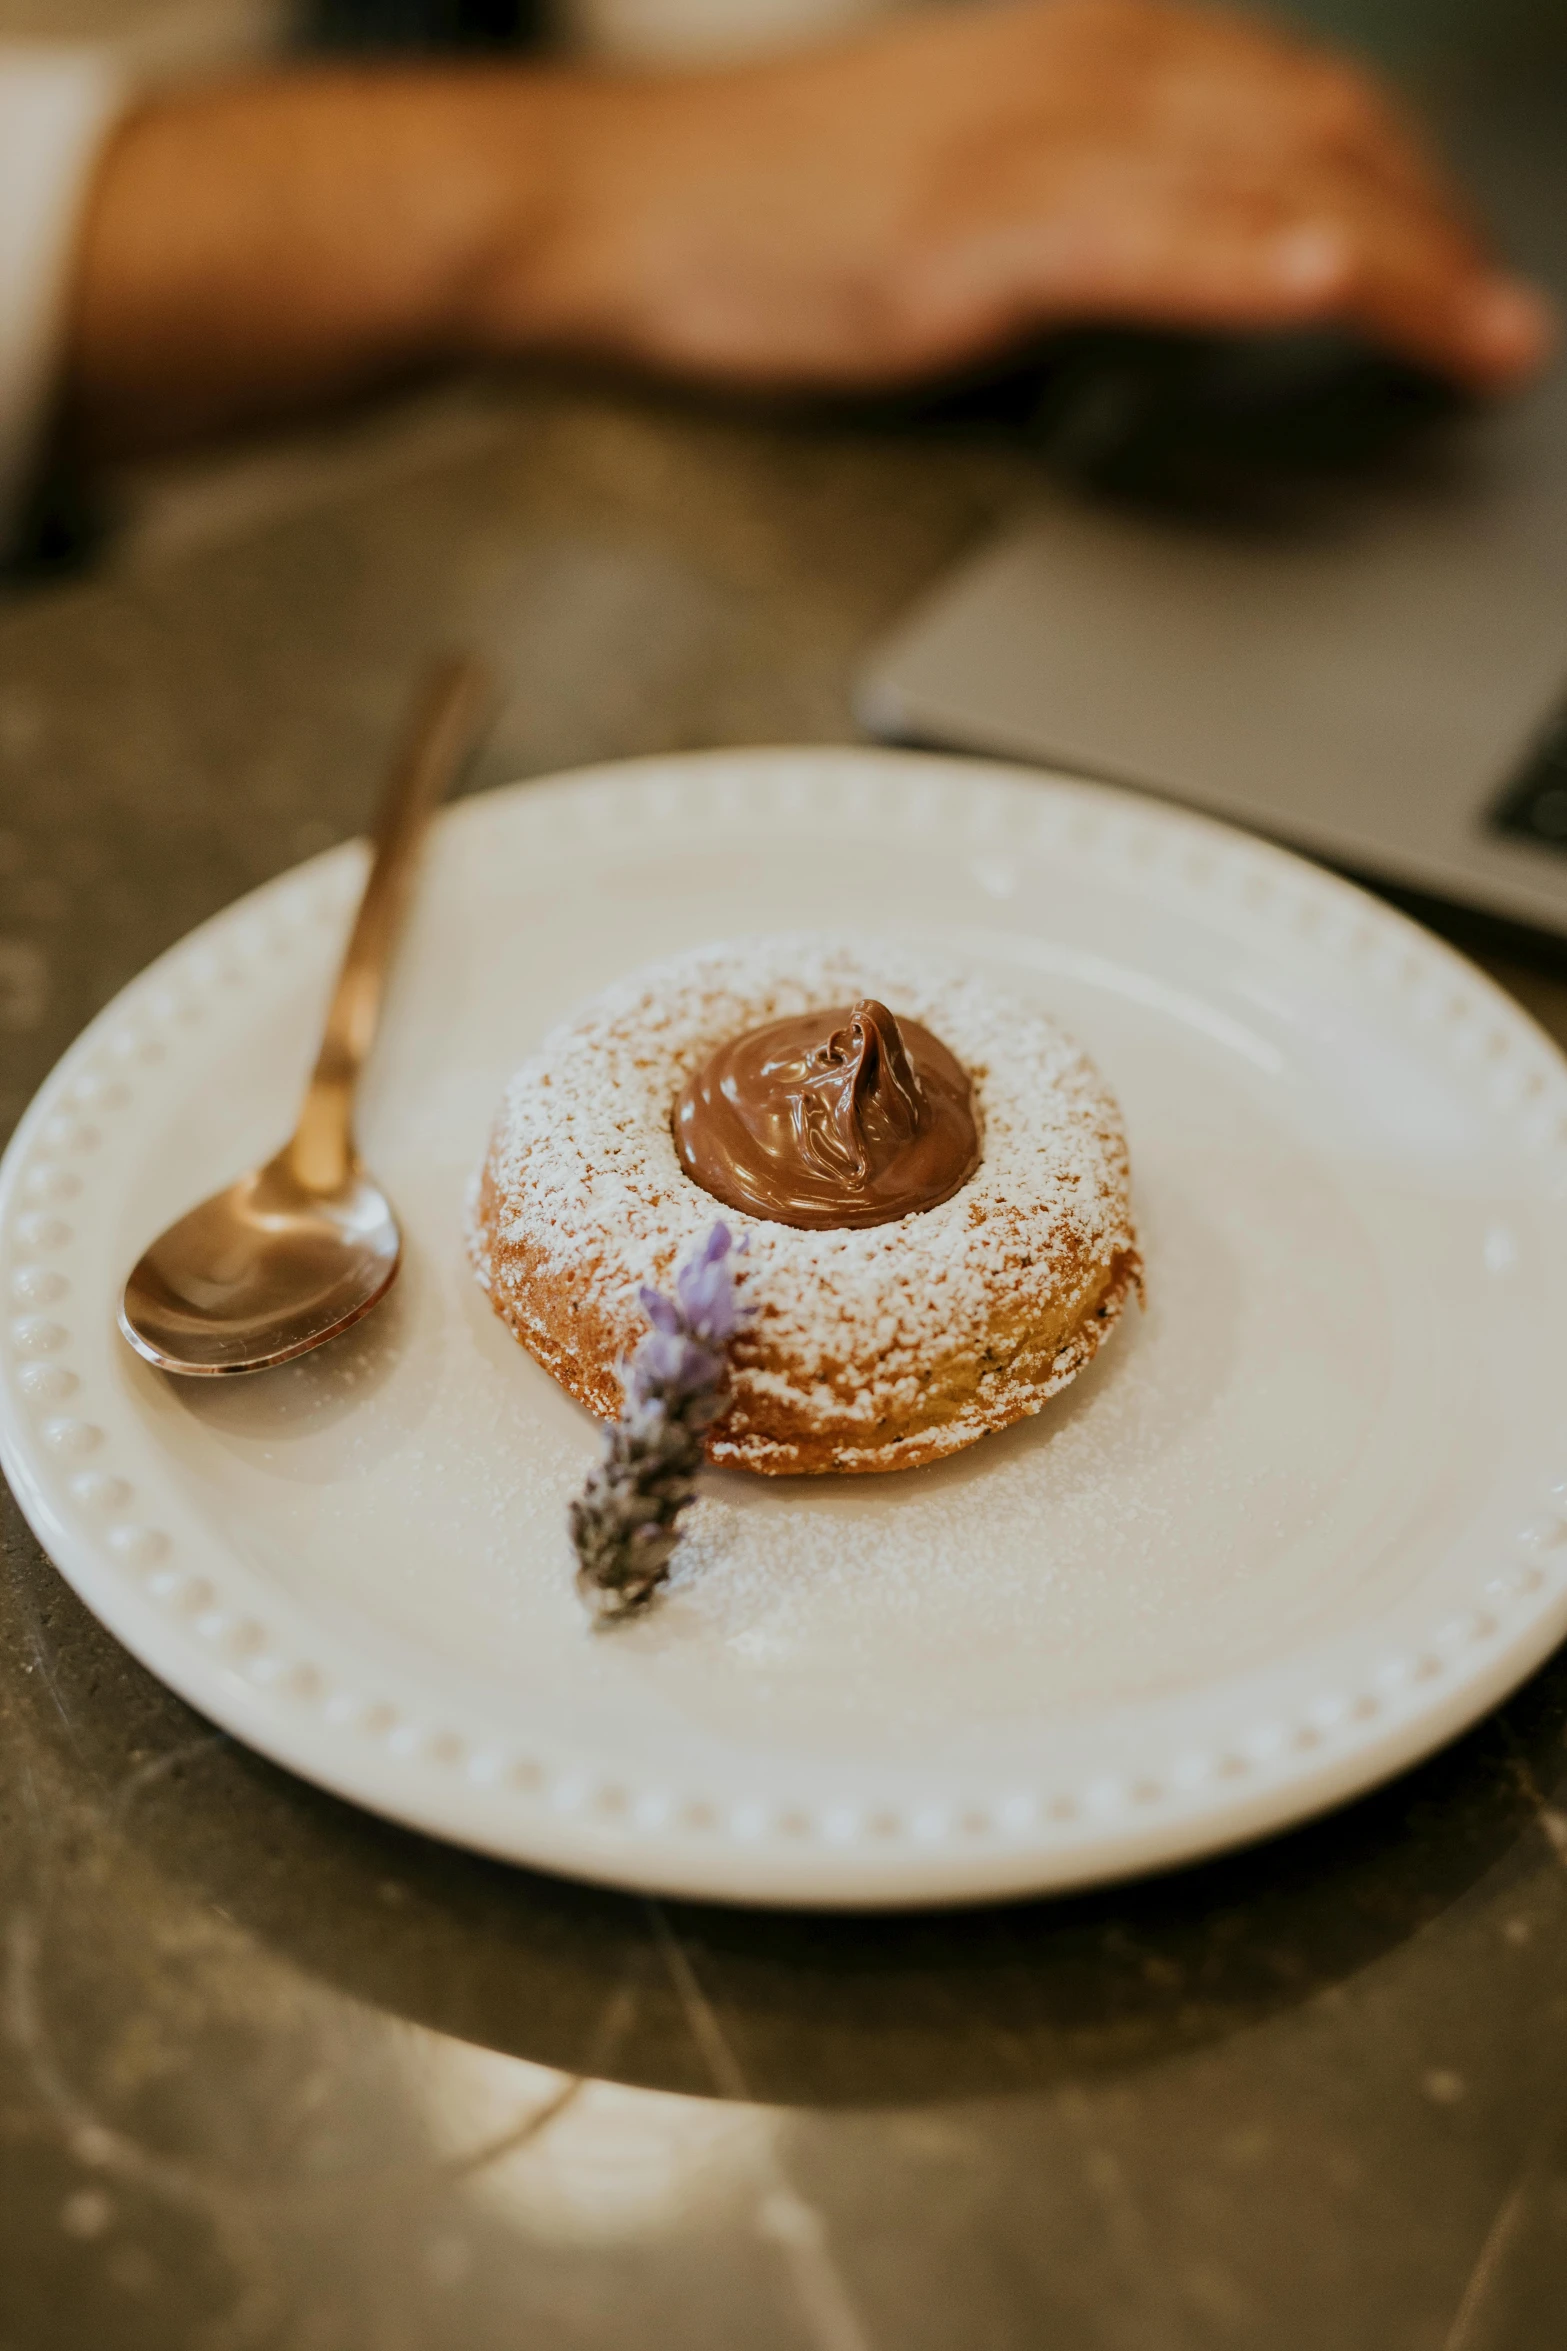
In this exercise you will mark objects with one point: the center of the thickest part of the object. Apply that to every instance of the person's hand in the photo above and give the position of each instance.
(856, 218)
(869, 215)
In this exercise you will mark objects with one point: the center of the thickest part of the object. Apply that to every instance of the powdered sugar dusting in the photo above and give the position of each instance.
(855, 1329)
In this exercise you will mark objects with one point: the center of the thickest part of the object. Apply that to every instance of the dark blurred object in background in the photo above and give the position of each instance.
(1203, 423)
(1188, 418)
(419, 27)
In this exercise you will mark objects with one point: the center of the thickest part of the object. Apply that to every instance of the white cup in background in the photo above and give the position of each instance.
(699, 32)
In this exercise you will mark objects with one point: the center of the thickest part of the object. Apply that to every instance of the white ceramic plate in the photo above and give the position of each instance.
(1300, 1522)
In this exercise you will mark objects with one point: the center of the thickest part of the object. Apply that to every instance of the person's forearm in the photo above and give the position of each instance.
(264, 247)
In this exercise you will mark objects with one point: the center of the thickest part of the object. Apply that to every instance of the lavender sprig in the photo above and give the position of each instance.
(625, 1522)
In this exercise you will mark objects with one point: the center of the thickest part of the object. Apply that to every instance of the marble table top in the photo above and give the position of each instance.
(275, 2076)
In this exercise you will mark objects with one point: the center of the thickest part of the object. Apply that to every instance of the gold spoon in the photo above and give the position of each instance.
(299, 1249)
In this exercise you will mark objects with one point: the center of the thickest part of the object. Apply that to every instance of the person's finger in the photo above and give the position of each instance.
(1484, 327)
(1134, 246)
(1351, 192)
(1410, 275)
(1227, 84)
(1177, 252)
(1284, 113)
(1338, 116)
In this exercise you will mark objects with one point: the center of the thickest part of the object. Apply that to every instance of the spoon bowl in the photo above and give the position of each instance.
(261, 1272)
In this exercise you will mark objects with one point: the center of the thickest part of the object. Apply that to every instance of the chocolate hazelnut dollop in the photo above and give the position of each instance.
(826, 1119)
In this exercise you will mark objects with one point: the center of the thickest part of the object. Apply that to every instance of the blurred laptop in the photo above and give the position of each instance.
(1290, 581)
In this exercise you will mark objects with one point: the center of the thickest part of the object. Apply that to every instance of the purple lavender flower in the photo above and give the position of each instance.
(625, 1522)
(709, 1304)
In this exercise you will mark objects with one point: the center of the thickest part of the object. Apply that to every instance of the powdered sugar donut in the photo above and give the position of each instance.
(870, 1349)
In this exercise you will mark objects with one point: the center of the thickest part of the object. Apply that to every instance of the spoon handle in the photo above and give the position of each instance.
(442, 733)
